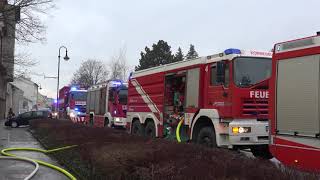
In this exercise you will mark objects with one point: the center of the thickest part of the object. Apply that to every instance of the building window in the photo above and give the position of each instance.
(25, 104)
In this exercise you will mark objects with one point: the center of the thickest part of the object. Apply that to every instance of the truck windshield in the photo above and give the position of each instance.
(123, 96)
(251, 70)
(79, 96)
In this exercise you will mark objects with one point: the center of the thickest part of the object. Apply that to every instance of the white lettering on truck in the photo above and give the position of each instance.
(259, 94)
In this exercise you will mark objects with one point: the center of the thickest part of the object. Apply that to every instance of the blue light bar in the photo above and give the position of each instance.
(232, 51)
(116, 83)
(76, 109)
(74, 88)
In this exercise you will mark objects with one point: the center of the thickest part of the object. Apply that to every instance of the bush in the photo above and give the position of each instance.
(112, 154)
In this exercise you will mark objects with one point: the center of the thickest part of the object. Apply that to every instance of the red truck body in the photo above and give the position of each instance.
(63, 99)
(224, 95)
(72, 102)
(107, 104)
(294, 99)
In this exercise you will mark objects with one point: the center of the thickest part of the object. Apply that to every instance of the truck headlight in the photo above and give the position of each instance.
(72, 115)
(117, 119)
(241, 130)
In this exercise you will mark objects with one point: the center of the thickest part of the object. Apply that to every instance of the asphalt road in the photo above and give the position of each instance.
(14, 170)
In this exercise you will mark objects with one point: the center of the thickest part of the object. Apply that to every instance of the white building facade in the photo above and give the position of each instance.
(14, 98)
(30, 93)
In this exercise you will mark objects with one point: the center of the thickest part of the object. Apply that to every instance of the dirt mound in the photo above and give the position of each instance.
(112, 154)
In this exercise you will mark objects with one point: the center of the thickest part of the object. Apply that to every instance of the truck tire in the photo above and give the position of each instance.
(91, 119)
(106, 122)
(65, 116)
(150, 130)
(137, 128)
(261, 151)
(207, 137)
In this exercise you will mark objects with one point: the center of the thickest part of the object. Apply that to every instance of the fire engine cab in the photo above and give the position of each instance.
(107, 104)
(294, 99)
(218, 100)
(72, 102)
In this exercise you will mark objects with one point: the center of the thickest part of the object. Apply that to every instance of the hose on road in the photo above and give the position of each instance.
(36, 165)
(66, 173)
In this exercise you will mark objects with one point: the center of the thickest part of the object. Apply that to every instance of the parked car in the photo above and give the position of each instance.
(24, 118)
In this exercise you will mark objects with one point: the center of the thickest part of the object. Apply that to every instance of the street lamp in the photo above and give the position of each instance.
(66, 58)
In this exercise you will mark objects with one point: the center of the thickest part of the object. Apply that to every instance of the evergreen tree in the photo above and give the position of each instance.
(159, 54)
(179, 55)
(192, 53)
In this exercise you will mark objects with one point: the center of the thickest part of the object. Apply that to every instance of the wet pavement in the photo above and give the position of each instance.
(250, 155)
(16, 170)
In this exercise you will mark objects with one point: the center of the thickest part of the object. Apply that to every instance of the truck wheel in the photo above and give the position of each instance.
(91, 119)
(207, 137)
(150, 130)
(261, 151)
(14, 124)
(106, 122)
(137, 128)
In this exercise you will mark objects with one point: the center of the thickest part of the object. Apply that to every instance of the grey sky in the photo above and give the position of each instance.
(98, 28)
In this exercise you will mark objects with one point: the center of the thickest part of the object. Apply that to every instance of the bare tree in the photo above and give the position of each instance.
(118, 66)
(22, 64)
(91, 72)
(29, 27)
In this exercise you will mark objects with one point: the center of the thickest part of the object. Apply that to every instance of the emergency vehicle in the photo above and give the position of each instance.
(294, 99)
(72, 103)
(107, 104)
(218, 100)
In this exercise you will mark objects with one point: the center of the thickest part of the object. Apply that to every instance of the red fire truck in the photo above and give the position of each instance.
(294, 99)
(219, 100)
(107, 104)
(72, 102)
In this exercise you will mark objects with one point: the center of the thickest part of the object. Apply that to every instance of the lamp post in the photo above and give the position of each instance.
(66, 58)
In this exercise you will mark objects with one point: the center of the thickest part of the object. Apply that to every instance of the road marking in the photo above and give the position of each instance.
(8, 137)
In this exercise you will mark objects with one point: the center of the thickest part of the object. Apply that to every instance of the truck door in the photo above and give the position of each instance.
(192, 91)
(297, 94)
(219, 96)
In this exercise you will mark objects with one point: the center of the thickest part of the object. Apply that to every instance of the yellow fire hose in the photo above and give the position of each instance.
(70, 176)
(178, 130)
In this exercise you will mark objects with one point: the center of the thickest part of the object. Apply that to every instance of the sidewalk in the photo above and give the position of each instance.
(14, 170)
